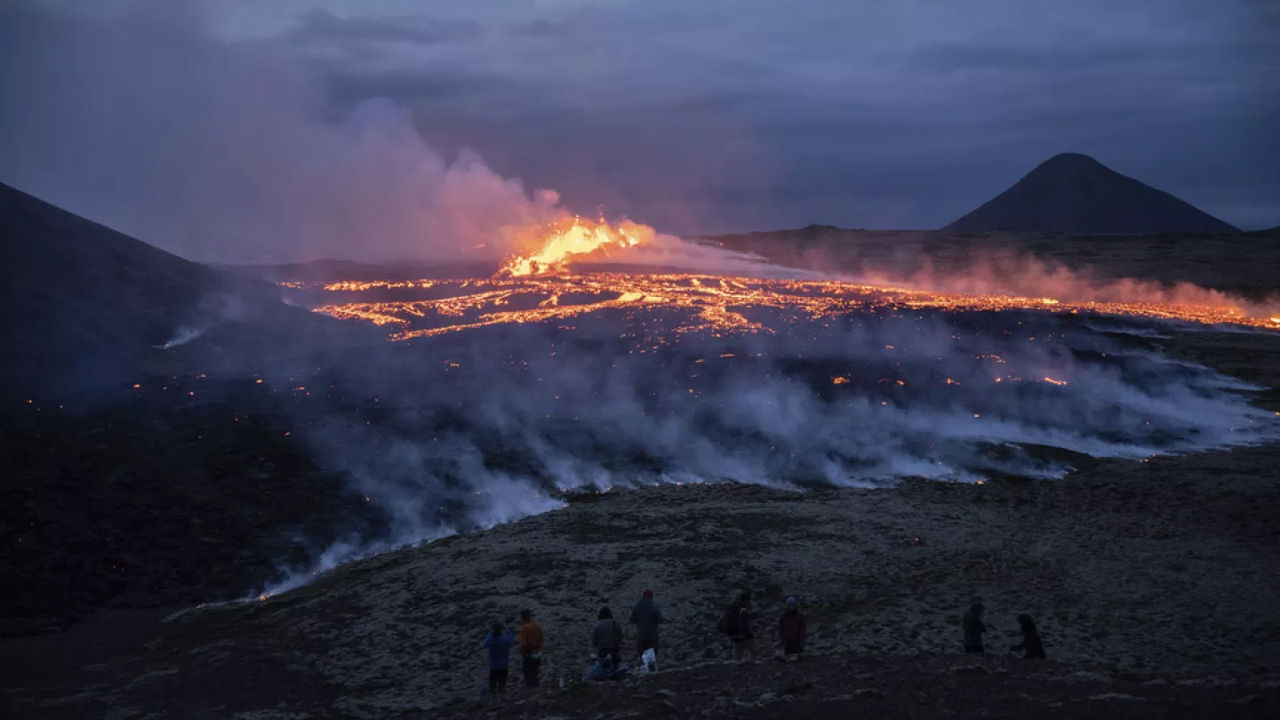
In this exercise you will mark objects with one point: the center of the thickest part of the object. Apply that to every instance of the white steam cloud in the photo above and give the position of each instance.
(489, 426)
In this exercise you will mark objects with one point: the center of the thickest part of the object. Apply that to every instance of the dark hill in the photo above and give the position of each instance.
(87, 308)
(1074, 193)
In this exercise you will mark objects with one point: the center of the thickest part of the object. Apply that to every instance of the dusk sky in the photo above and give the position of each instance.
(701, 117)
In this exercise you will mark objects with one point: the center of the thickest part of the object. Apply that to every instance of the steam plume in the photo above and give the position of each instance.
(231, 151)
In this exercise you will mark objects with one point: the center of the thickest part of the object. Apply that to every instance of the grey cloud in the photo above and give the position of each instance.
(321, 25)
(738, 115)
(541, 28)
(406, 86)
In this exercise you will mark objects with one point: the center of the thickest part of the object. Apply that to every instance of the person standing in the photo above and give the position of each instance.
(499, 643)
(736, 623)
(646, 617)
(606, 638)
(973, 628)
(530, 641)
(1030, 645)
(792, 629)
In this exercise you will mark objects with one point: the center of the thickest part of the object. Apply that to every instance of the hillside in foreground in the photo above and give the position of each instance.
(1151, 583)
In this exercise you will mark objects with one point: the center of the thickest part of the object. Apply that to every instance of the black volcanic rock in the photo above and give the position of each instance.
(86, 308)
(1074, 193)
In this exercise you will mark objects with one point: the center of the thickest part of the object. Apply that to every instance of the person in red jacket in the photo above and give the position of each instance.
(792, 629)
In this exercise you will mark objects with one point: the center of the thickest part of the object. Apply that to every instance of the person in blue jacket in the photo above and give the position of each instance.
(499, 642)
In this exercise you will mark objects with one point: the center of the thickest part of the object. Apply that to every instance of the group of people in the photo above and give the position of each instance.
(737, 623)
(499, 642)
(606, 637)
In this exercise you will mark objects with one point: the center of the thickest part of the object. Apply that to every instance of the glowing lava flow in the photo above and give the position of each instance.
(703, 303)
(574, 239)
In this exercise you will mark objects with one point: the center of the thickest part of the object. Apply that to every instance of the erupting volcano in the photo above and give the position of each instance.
(541, 286)
(573, 239)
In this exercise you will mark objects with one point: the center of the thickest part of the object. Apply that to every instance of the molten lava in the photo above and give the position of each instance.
(705, 303)
(538, 286)
(575, 239)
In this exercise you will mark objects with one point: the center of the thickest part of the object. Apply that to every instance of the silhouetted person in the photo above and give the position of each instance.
(499, 644)
(1030, 645)
(646, 617)
(792, 629)
(530, 641)
(736, 623)
(607, 639)
(973, 628)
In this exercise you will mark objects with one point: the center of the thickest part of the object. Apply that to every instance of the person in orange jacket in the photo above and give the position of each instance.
(530, 642)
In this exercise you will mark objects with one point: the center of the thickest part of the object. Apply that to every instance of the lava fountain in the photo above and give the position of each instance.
(570, 239)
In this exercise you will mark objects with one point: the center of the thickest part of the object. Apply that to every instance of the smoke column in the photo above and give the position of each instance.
(230, 152)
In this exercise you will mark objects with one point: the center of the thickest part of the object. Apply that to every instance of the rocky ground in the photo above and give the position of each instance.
(1154, 585)
(166, 499)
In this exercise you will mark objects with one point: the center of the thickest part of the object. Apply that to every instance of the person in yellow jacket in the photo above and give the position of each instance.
(530, 641)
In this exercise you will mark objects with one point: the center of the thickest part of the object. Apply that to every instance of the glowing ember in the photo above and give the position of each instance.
(575, 239)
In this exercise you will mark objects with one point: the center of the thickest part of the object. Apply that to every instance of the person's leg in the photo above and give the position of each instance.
(493, 682)
(502, 680)
(537, 670)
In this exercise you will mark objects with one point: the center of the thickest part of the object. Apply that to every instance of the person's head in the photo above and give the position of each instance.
(976, 607)
(792, 605)
(647, 594)
(605, 614)
(1026, 622)
(744, 598)
(526, 615)
(496, 628)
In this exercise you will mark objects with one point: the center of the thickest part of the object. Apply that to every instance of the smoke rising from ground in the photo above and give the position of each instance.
(489, 426)
(1024, 275)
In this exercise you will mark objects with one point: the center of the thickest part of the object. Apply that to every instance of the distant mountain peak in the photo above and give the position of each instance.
(1072, 159)
(1073, 192)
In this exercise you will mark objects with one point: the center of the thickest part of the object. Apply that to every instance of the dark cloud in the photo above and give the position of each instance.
(719, 115)
(861, 114)
(321, 26)
(350, 87)
(541, 28)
